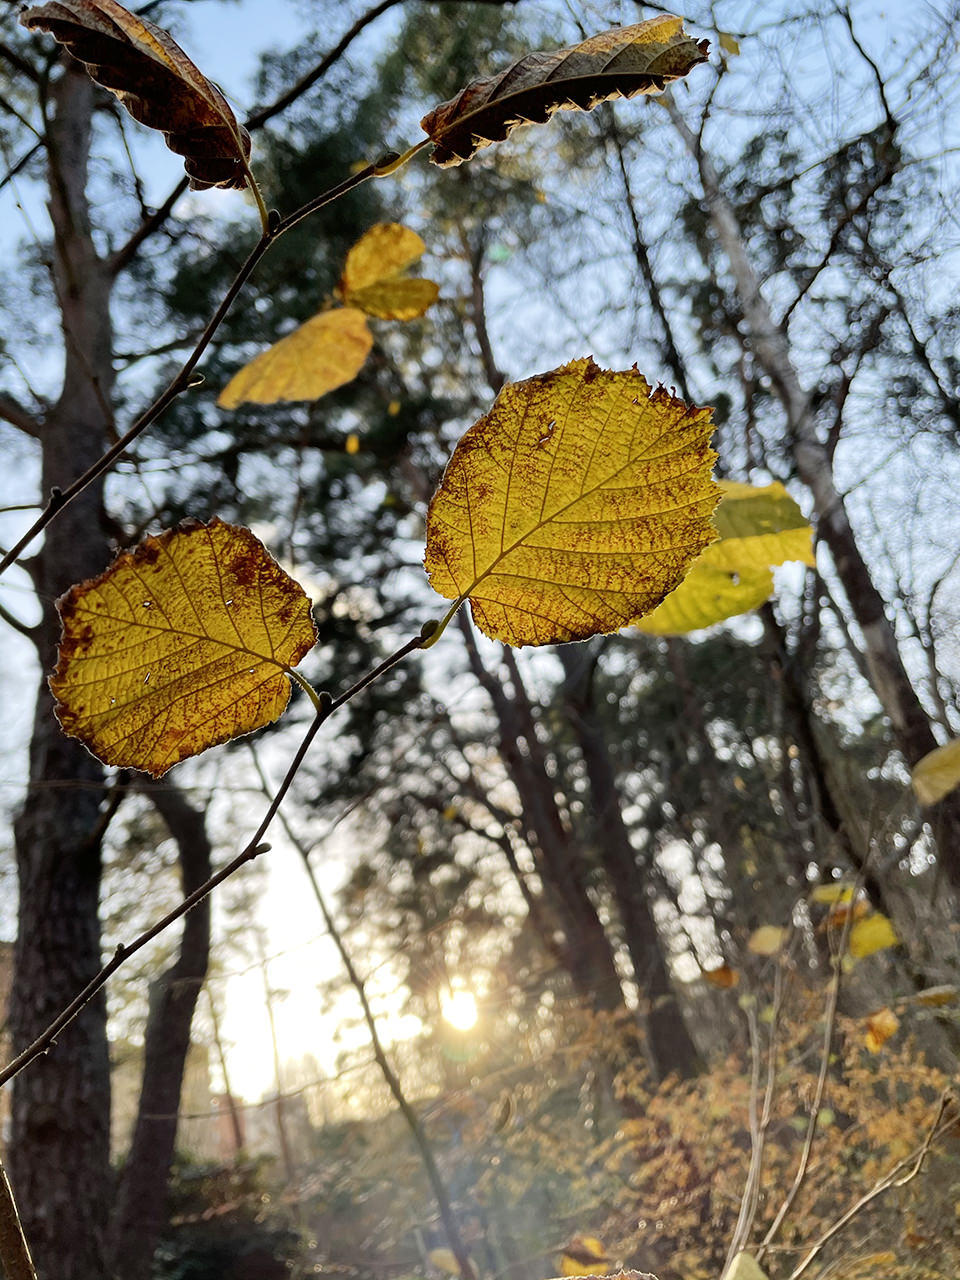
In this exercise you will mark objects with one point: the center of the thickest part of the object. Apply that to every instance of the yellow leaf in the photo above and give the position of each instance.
(573, 506)
(759, 526)
(745, 1267)
(323, 354)
(936, 775)
(767, 940)
(728, 43)
(614, 64)
(831, 894)
(372, 275)
(180, 644)
(444, 1260)
(880, 1027)
(584, 1256)
(936, 996)
(876, 933)
(352, 443)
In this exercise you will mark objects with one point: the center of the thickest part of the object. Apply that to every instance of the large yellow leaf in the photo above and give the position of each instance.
(180, 644)
(615, 64)
(573, 506)
(323, 354)
(156, 82)
(759, 526)
(373, 277)
(938, 773)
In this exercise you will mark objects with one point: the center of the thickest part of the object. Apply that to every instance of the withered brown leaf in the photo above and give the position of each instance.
(620, 63)
(156, 82)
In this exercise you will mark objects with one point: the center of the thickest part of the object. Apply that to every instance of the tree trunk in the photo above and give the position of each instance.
(588, 955)
(60, 1140)
(140, 1214)
(670, 1045)
(891, 683)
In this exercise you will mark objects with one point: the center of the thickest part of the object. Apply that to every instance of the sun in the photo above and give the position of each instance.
(459, 1008)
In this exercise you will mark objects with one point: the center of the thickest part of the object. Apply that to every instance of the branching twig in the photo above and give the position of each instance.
(391, 1078)
(325, 708)
(887, 1182)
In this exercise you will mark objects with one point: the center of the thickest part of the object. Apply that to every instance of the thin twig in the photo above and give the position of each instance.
(444, 1204)
(15, 1260)
(47, 1038)
(887, 1182)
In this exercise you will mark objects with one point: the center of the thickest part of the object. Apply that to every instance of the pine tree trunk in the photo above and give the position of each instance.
(60, 1140)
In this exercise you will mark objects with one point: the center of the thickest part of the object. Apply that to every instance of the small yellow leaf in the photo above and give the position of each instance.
(396, 299)
(584, 1256)
(728, 43)
(745, 1267)
(722, 976)
(933, 997)
(876, 933)
(180, 644)
(936, 775)
(352, 443)
(573, 506)
(767, 940)
(830, 894)
(880, 1027)
(759, 527)
(444, 1260)
(323, 354)
(393, 408)
(372, 276)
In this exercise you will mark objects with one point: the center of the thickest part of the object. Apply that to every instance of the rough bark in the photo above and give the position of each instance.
(140, 1214)
(889, 678)
(59, 1153)
(670, 1046)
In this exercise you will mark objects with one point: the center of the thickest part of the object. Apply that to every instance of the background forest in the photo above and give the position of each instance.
(557, 928)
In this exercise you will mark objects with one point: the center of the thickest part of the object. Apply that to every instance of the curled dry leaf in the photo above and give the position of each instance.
(620, 63)
(880, 1027)
(325, 353)
(573, 506)
(373, 276)
(156, 82)
(180, 644)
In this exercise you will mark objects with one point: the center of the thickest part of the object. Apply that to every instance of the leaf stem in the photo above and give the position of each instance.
(432, 631)
(316, 698)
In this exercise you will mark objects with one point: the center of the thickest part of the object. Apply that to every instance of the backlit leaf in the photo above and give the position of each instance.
(373, 277)
(156, 82)
(180, 644)
(323, 354)
(876, 933)
(759, 526)
(767, 940)
(573, 506)
(936, 775)
(620, 63)
(880, 1027)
